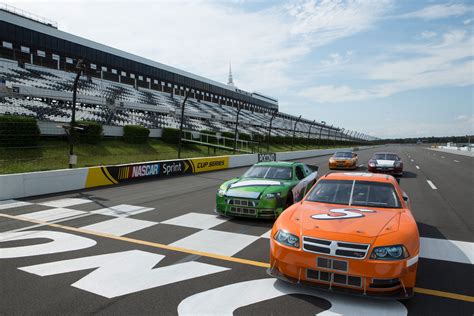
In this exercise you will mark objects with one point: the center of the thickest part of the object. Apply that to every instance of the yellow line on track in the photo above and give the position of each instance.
(453, 296)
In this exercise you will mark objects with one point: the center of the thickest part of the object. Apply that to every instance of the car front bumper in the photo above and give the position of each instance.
(262, 209)
(375, 278)
(386, 170)
(345, 164)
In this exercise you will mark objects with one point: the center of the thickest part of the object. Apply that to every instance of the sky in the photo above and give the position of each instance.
(386, 68)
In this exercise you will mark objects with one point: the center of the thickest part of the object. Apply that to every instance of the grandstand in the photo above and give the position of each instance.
(37, 62)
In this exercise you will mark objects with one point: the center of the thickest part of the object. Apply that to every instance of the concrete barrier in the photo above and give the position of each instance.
(46, 182)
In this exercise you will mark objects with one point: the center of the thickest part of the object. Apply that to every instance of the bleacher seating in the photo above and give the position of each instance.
(201, 115)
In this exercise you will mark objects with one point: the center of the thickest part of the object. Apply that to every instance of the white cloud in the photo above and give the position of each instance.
(445, 63)
(466, 22)
(336, 59)
(439, 11)
(428, 34)
(203, 36)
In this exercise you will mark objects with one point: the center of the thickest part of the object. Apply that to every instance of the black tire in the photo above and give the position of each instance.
(289, 200)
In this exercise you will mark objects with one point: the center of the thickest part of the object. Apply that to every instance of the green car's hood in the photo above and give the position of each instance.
(252, 188)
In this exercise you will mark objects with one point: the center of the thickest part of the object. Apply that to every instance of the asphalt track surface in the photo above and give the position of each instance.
(206, 264)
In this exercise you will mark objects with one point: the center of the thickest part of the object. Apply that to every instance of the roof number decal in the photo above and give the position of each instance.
(342, 213)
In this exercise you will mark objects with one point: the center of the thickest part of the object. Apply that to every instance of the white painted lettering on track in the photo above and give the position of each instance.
(60, 242)
(125, 272)
(226, 299)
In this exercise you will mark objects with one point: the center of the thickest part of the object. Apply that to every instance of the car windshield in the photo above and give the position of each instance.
(355, 193)
(343, 154)
(386, 157)
(269, 172)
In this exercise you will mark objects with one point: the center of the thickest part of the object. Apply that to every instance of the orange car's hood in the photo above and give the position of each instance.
(333, 221)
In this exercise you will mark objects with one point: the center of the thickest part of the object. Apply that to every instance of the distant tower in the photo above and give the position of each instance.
(230, 81)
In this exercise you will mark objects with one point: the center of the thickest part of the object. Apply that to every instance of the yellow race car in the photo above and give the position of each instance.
(343, 160)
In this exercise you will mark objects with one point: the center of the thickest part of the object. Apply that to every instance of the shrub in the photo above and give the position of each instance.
(210, 139)
(91, 134)
(170, 135)
(135, 134)
(227, 134)
(244, 136)
(18, 131)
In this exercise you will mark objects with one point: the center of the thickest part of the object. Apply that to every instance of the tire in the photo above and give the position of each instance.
(289, 200)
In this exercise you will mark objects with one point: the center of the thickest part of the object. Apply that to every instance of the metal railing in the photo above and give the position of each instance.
(28, 15)
(218, 141)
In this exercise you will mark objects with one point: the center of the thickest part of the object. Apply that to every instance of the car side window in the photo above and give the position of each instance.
(307, 170)
(299, 173)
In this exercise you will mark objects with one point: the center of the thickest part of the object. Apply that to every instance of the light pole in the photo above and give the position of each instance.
(294, 132)
(181, 123)
(236, 127)
(80, 67)
(342, 133)
(321, 131)
(309, 132)
(270, 130)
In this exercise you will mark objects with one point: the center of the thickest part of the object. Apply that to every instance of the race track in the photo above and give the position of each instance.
(156, 247)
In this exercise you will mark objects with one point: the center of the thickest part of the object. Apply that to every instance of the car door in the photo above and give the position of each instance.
(305, 178)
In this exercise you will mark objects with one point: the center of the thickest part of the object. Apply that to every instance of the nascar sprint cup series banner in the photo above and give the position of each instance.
(107, 175)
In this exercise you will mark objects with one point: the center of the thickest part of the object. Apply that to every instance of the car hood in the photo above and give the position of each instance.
(251, 188)
(341, 159)
(385, 163)
(336, 221)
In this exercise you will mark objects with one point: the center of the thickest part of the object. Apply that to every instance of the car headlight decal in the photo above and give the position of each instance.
(287, 239)
(272, 195)
(395, 252)
(220, 192)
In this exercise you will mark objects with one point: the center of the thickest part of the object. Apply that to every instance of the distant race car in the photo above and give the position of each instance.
(343, 160)
(353, 232)
(389, 163)
(265, 190)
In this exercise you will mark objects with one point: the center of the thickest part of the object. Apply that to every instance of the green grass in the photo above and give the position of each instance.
(53, 154)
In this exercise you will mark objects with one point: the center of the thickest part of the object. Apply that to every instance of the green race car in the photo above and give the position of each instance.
(265, 190)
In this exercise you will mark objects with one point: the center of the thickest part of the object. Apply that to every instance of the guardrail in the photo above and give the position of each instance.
(46, 182)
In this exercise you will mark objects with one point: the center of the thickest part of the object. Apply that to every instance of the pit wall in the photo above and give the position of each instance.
(22, 185)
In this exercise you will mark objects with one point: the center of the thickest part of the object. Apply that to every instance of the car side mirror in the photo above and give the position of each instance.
(405, 197)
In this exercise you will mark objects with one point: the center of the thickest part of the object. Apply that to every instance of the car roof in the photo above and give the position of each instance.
(385, 153)
(362, 176)
(276, 164)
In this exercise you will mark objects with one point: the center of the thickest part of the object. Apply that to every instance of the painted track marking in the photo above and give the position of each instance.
(456, 160)
(432, 185)
(454, 296)
(417, 167)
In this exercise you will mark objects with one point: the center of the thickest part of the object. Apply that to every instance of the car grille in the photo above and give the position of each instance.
(332, 264)
(243, 210)
(239, 202)
(334, 278)
(335, 248)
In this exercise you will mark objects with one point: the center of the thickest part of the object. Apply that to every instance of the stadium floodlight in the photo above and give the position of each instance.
(181, 123)
(270, 130)
(80, 67)
(294, 132)
(309, 132)
(239, 108)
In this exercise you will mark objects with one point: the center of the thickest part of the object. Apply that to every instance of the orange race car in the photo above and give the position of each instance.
(343, 160)
(353, 232)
